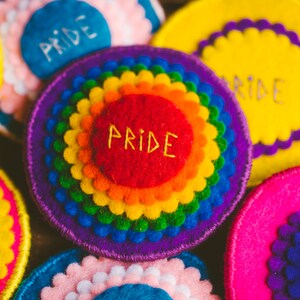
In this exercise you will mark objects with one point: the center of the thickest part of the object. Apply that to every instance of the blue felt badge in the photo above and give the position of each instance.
(60, 32)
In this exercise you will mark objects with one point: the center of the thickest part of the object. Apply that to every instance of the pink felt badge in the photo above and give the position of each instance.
(262, 260)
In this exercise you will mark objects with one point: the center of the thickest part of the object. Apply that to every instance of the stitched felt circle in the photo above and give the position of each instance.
(262, 259)
(74, 274)
(142, 153)
(42, 36)
(14, 235)
(255, 49)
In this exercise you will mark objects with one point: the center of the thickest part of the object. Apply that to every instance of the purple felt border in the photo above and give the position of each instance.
(259, 149)
(68, 226)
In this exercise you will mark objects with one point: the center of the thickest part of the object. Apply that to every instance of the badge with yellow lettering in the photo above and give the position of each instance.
(42, 36)
(255, 48)
(137, 153)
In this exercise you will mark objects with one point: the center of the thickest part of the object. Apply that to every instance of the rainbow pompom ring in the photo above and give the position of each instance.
(77, 275)
(42, 36)
(14, 236)
(255, 48)
(263, 255)
(137, 153)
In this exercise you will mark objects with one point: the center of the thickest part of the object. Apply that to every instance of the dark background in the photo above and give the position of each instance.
(47, 242)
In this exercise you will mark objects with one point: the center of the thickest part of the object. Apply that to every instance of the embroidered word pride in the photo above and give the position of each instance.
(135, 141)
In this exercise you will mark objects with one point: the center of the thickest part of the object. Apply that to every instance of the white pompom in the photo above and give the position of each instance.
(152, 271)
(117, 271)
(99, 277)
(84, 287)
(71, 296)
(135, 269)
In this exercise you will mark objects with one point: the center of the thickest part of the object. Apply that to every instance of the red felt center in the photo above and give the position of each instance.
(141, 141)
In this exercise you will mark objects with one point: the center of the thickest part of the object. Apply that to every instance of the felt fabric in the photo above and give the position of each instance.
(262, 246)
(254, 48)
(1, 63)
(15, 237)
(76, 274)
(66, 30)
(80, 190)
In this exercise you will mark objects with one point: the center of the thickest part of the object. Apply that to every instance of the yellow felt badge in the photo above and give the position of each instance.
(255, 48)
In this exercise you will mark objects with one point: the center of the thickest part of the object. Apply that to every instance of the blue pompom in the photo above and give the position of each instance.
(144, 60)
(205, 210)
(118, 236)
(66, 95)
(78, 81)
(226, 118)
(50, 125)
(172, 231)
(128, 62)
(61, 195)
(218, 101)
(49, 160)
(102, 230)
(205, 88)
(229, 135)
(85, 220)
(193, 77)
(94, 73)
(191, 221)
(71, 208)
(48, 141)
(53, 177)
(110, 66)
(162, 62)
(56, 109)
(154, 236)
(178, 68)
(136, 237)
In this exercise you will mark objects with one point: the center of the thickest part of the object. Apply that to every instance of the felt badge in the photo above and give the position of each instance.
(42, 36)
(14, 237)
(254, 47)
(263, 253)
(137, 153)
(76, 275)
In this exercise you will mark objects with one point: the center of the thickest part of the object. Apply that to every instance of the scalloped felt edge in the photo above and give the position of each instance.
(59, 263)
(263, 24)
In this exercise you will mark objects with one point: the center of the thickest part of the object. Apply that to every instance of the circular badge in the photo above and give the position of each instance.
(74, 29)
(77, 275)
(143, 153)
(255, 49)
(15, 237)
(263, 253)
(42, 36)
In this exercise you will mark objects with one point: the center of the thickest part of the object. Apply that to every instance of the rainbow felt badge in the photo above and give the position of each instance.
(137, 153)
